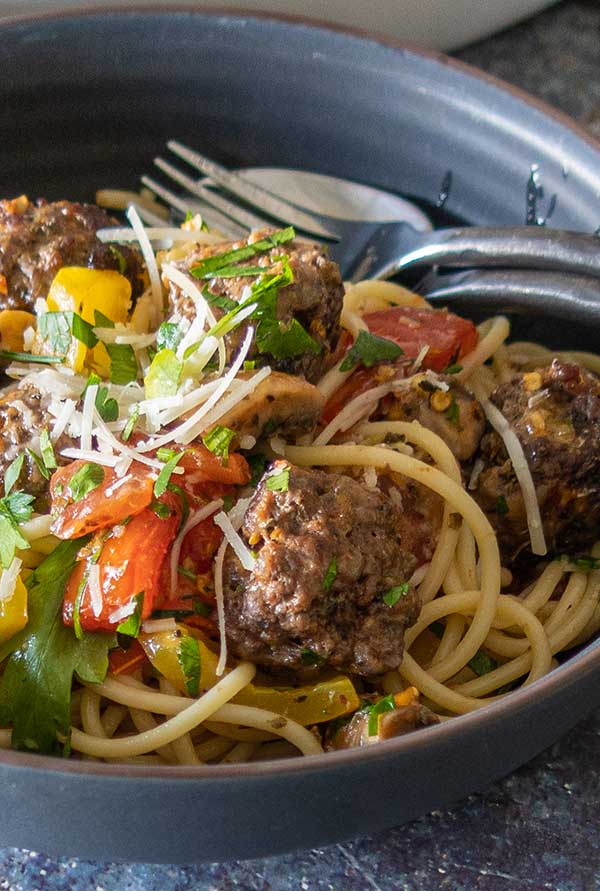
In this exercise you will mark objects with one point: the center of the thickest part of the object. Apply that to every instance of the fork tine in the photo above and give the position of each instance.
(213, 218)
(147, 216)
(229, 208)
(253, 195)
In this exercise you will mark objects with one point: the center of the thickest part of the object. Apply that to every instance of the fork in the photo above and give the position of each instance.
(381, 250)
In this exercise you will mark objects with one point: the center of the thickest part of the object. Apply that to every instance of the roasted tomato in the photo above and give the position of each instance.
(448, 337)
(201, 466)
(130, 559)
(109, 500)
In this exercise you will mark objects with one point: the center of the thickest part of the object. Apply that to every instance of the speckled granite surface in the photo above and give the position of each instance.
(539, 828)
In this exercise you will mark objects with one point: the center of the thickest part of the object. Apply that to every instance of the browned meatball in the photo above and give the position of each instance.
(314, 299)
(555, 412)
(23, 415)
(328, 550)
(36, 240)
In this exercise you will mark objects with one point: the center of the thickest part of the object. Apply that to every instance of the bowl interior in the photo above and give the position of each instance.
(86, 102)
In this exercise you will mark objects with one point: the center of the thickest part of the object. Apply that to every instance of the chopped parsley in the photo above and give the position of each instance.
(57, 329)
(279, 482)
(501, 505)
(186, 573)
(237, 271)
(209, 267)
(219, 300)
(161, 509)
(452, 369)
(48, 456)
(85, 480)
(249, 364)
(218, 441)
(391, 597)
(132, 624)
(309, 657)
(107, 407)
(453, 413)
(330, 574)
(585, 562)
(13, 472)
(481, 663)
(123, 362)
(15, 508)
(168, 336)
(37, 460)
(189, 658)
(122, 262)
(387, 704)
(162, 483)
(131, 422)
(369, 349)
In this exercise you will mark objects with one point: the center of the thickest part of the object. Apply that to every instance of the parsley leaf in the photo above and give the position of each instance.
(14, 509)
(13, 472)
(481, 663)
(218, 300)
(501, 506)
(168, 336)
(209, 267)
(132, 624)
(163, 376)
(123, 362)
(279, 482)
(387, 704)
(585, 562)
(48, 456)
(107, 407)
(85, 480)
(162, 482)
(131, 422)
(453, 413)
(57, 328)
(189, 658)
(39, 463)
(218, 441)
(391, 597)
(119, 258)
(257, 463)
(330, 574)
(309, 657)
(35, 689)
(369, 350)
(452, 369)
(284, 340)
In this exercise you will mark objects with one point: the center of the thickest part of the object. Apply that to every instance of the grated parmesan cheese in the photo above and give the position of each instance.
(8, 579)
(243, 554)
(94, 587)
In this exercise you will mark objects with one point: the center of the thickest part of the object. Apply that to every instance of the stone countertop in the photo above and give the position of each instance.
(537, 829)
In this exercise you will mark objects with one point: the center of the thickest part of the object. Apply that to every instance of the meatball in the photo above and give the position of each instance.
(328, 550)
(314, 299)
(36, 240)
(454, 414)
(23, 414)
(555, 412)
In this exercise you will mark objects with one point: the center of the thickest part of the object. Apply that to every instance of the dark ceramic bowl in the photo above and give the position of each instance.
(86, 101)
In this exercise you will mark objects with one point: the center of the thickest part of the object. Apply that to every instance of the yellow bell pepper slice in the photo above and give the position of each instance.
(13, 323)
(13, 612)
(81, 290)
(310, 704)
(163, 649)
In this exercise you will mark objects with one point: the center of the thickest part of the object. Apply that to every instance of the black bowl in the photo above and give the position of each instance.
(87, 101)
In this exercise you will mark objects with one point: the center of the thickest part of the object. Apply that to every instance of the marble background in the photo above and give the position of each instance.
(538, 828)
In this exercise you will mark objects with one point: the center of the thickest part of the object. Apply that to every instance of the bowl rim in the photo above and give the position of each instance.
(580, 664)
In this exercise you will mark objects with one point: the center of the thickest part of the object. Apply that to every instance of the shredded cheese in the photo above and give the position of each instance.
(193, 520)
(8, 579)
(148, 255)
(221, 664)
(93, 581)
(520, 467)
(243, 554)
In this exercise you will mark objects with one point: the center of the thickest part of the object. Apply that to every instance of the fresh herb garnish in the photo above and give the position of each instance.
(57, 329)
(501, 505)
(481, 663)
(107, 407)
(279, 482)
(164, 375)
(218, 441)
(15, 508)
(37, 460)
(123, 362)
(249, 364)
(168, 336)
(330, 574)
(585, 562)
(13, 356)
(219, 300)
(47, 450)
(13, 472)
(161, 509)
(186, 573)
(132, 624)
(131, 422)
(369, 349)
(257, 463)
(387, 704)
(190, 661)
(85, 480)
(452, 369)
(119, 258)
(309, 657)
(209, 267)
(35, 688)
(453, 413)
(236, 272)
(162, 483)
(391, 597)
